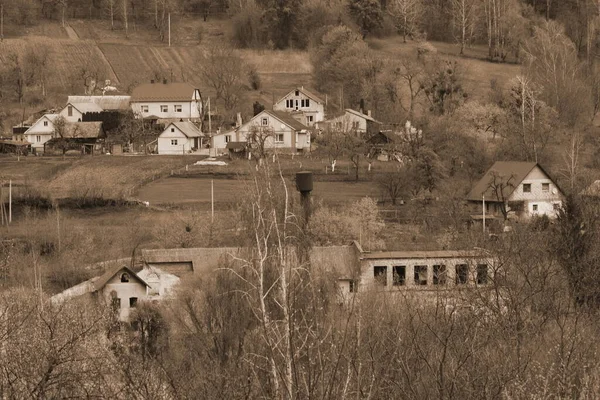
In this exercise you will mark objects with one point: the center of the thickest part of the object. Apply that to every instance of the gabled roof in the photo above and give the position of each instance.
(49, 117)
(105, 102)
(86, 130)
(511, 172)
(306, 92)
(187, 128)
(86, 107)
(359, 114)
(101, 281)
(286, 118)
(178, 91)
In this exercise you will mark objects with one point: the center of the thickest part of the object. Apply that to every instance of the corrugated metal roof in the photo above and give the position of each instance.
(177, 91)
(287, 119)
(187, 128)
(105, 102)
(86, 107)
(511, 172)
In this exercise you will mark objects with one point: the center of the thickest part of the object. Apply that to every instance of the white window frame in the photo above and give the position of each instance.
(264, 121)
(178, 108)
(164, 108)
(174, 142)
(45, 123)
(227, 138)
(144, 108)
(38, 138)
(279, 138)
(545, 187)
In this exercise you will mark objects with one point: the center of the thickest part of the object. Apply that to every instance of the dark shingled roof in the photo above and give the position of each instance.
(178, 91)
(287, 119)
(516, 171)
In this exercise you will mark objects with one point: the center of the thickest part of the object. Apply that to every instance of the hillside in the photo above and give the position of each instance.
(142, 56)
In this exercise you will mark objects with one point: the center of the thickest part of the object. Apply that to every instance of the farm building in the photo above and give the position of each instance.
(79, 136)
(303, 105)
(167, 102)
(352, 121)
(516, 189)
(74, 112)
(180, 138)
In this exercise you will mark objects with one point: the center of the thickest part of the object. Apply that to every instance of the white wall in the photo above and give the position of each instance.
(184, 144)
(545, 200)
(315, 109)
(124, 291)
(346, 122)
(76, 115)
(189, 109)
(41, 132)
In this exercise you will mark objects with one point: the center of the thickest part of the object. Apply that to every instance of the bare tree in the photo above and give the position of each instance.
(501, 187)
(37, 66)
(111, 9)
(464, 17)
(223, 70)
(259, 139)
(407, 15)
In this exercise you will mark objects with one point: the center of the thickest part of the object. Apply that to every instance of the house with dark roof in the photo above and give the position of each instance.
(305, 106)
(276, 129)
(180, 137)
(515, 189)
(167, 102)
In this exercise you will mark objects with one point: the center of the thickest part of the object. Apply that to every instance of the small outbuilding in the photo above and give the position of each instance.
(180, 138)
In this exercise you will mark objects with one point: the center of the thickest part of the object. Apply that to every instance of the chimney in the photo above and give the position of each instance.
(369, 113)
(151, 80)
(164, 81)
(238, 121)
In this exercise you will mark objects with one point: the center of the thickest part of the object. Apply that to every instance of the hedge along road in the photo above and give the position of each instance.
(178, 191)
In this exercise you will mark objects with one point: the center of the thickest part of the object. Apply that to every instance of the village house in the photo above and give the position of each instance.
(167, 102)
(41, 131)
(352, 121)
(74, 112)
(277, 129)
(515, 189)
(106, 103)
(180, 138)
(304, 106)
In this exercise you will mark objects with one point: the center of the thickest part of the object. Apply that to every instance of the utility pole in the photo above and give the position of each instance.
(212, 201)
(9, 201)
(483, 209)
(1, 21)
(169, 29)
(209, 120)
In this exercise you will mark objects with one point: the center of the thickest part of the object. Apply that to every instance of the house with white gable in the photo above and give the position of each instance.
(180, 137)
(41, 131)
(73, 112)
(303, 105)
(277, 129)
(352, 121)
(167, 102)
(518, 189)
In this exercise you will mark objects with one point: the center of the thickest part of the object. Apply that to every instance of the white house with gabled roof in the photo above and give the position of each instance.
(180, 138)
(41, 131)
(303, 105)
(73, 112)
(167, 102)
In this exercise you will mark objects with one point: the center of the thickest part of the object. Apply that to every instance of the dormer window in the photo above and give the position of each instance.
(172, 129)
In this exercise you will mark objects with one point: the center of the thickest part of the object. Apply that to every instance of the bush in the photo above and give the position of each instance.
(254, 78)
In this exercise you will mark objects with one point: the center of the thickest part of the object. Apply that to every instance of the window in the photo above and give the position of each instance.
(70, 111)
(289, 103)
(354, 124)
(172, 129)
(279, 138)
(421, 275)
(296, 104)
(380, 275)
(399, 275)
(352, 286)
(124, 277)
(534, 207)
(173, 142)
(545, 187)
(482, 274)
(177, 107)
(307, 103)
(439, 274)
(462, 274)
(45, 123)
(133, 302)
(227, 138)
(527, 188)
(264, 121)
(164, 109)
(144, 109)
(297, 94)
(302, 103)
(38, 138)
(310, 118)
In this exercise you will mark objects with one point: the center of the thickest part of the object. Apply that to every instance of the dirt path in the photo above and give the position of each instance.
(71, 33)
